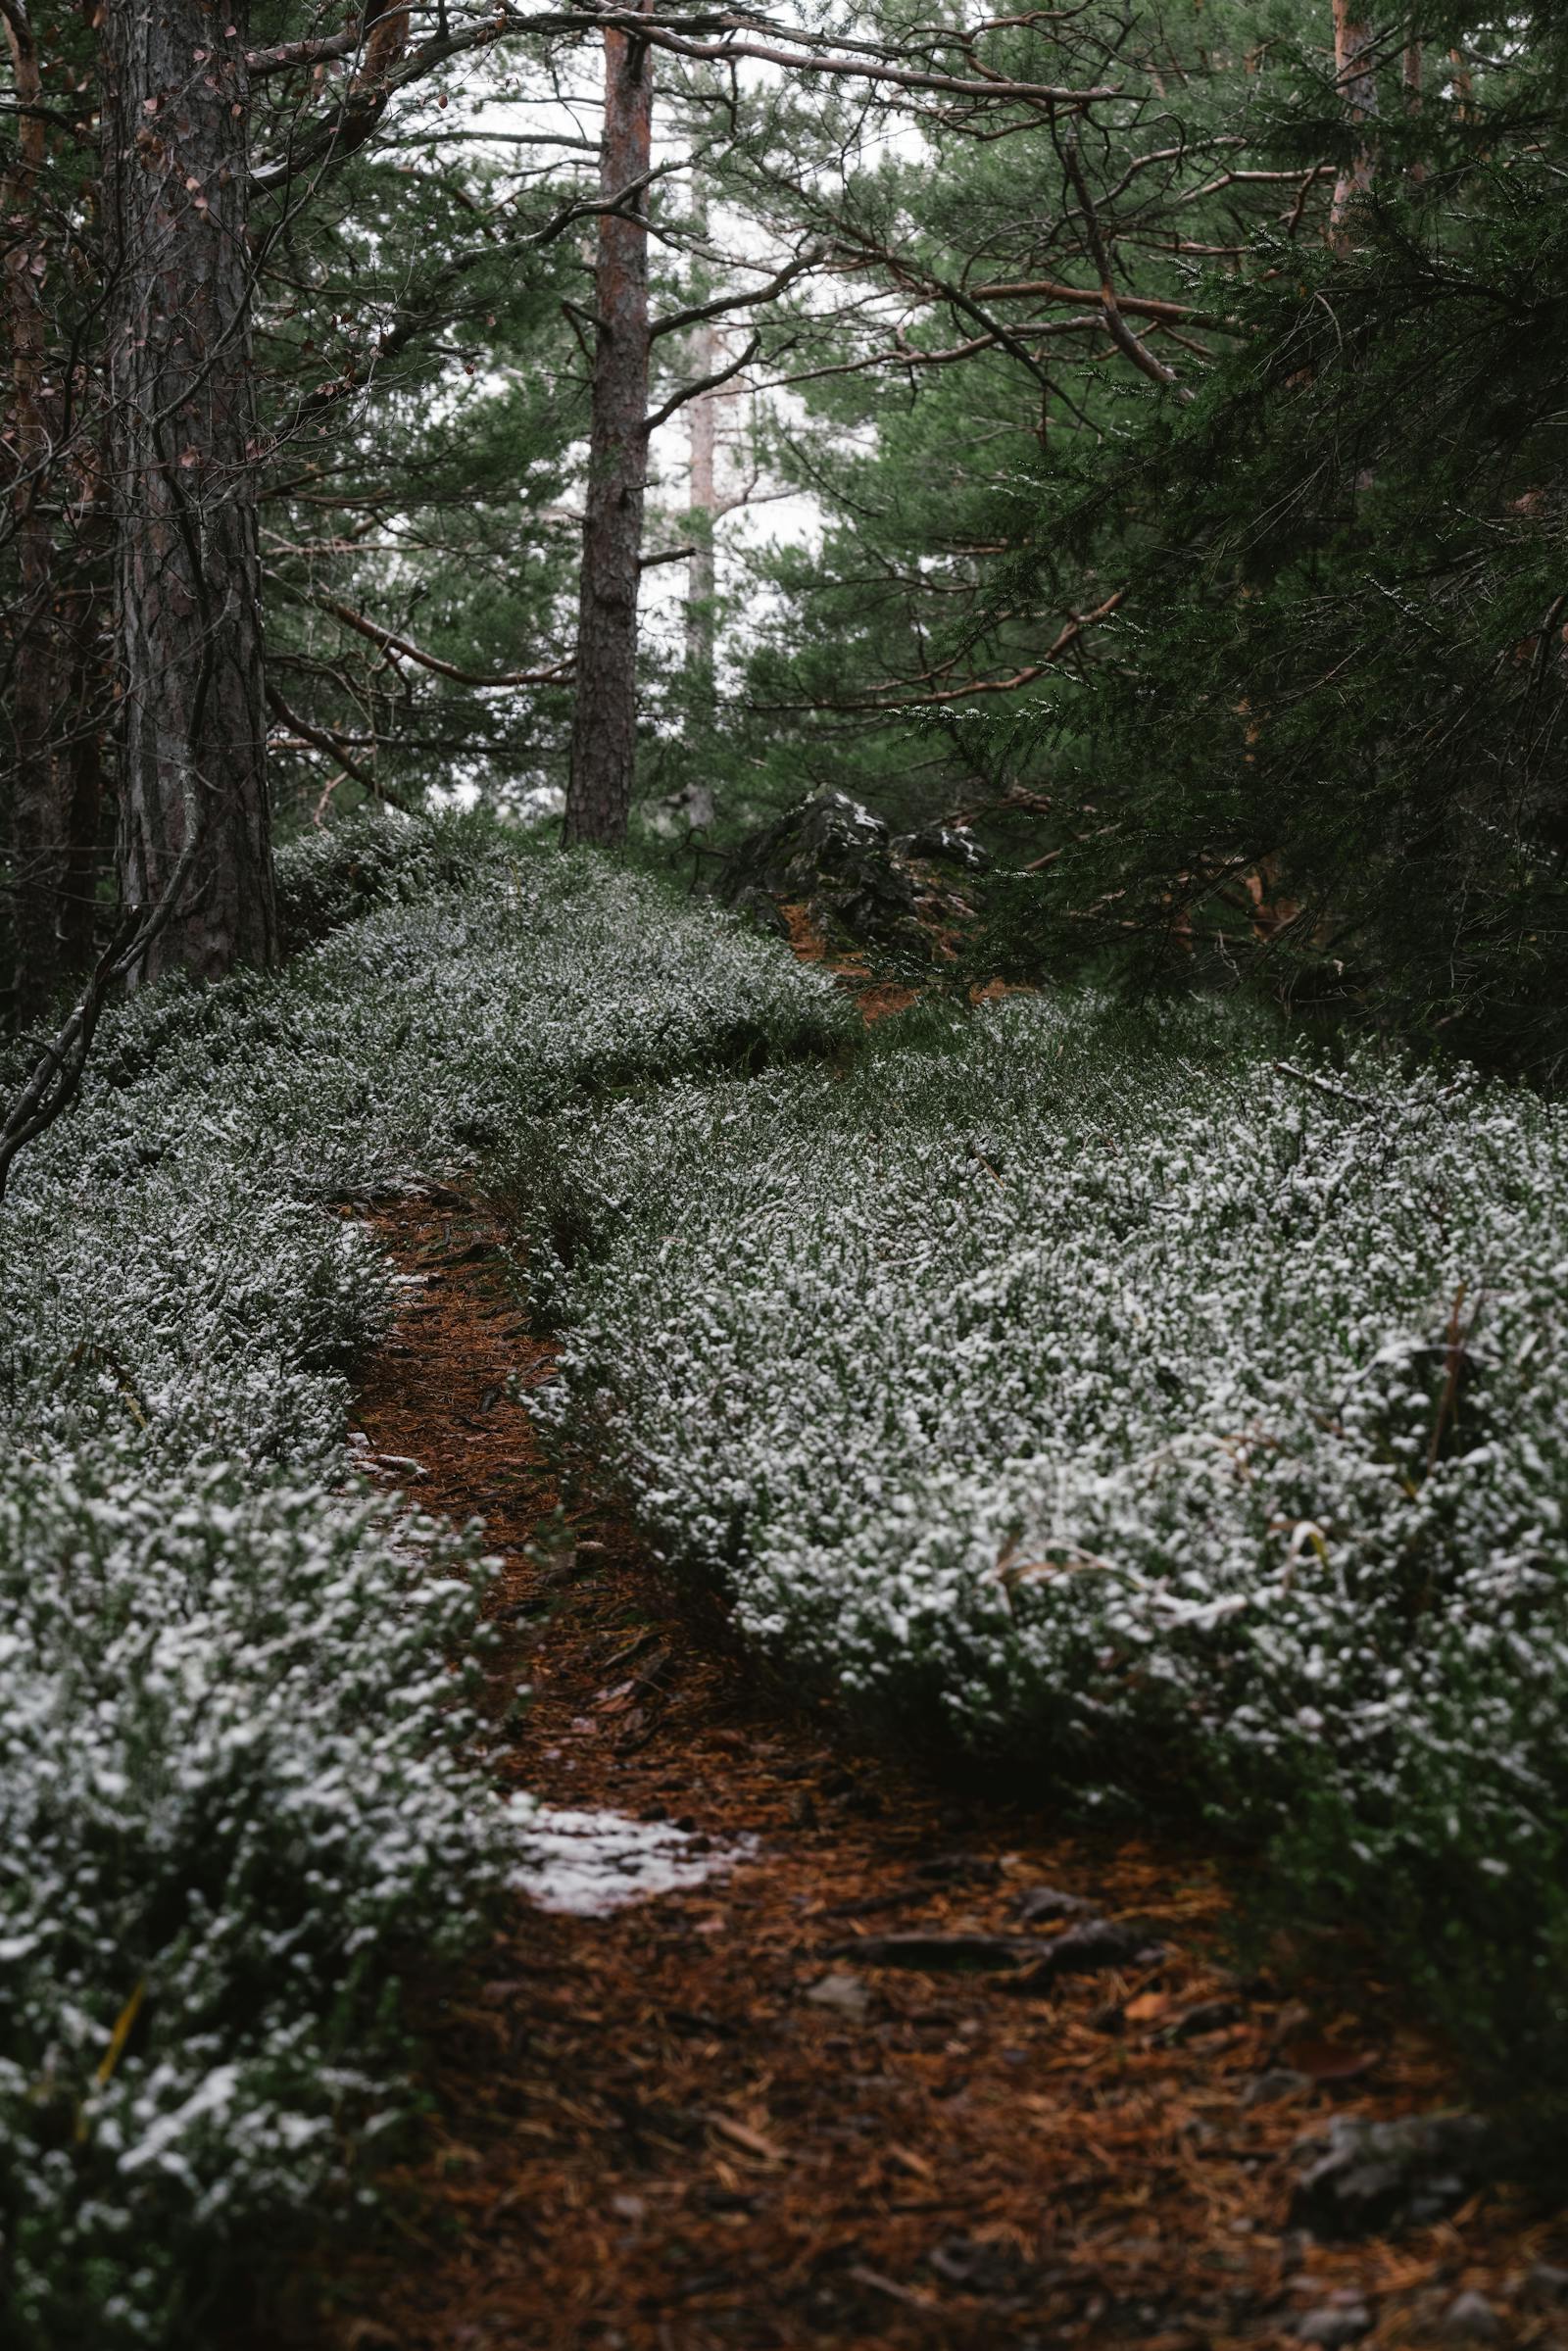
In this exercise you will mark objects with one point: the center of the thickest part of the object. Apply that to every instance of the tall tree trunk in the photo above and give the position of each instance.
(87, 706)
(702, 511)
(604, 731)
(1411, 78)
(188, 576)
(37, 827)
(1462, 83)
(1356, 83)
(1411, 75)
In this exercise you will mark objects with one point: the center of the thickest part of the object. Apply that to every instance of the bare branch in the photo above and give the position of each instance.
(332, 745)
(678, 320)
(799, 57)
(326, 50)
(1121, 334)
(390, 642)
(706, 383)
(895, 697)
(57, 1074)
(1131, 305)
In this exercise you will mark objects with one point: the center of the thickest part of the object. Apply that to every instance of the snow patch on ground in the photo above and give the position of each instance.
(588, 1864)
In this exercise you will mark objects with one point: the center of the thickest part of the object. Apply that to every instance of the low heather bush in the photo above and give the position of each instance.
(1100, 1392)
(376, 857)
(238, 1766)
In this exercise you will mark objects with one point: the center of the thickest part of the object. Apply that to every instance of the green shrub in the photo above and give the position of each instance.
(240, 1777)
(378, 857)
(1096, 1392)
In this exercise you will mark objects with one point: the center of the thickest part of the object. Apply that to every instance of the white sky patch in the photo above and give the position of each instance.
(588, 1864)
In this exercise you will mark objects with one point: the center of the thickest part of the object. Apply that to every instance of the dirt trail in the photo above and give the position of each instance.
(703, 2122)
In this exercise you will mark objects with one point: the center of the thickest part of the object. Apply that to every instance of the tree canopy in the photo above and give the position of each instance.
(1132, 429)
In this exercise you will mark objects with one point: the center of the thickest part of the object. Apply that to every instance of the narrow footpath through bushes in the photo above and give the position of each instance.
(880, 2079)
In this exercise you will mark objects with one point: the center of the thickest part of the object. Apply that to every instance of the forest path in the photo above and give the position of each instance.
(698, 2122)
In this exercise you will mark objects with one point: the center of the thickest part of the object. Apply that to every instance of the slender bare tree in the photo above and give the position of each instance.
(702, 513)
(603, 735)
(1356, 83)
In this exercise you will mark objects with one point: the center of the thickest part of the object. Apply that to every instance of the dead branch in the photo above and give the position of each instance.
(57, 1074)
(333, 747)
(707, 383)
(390, 642)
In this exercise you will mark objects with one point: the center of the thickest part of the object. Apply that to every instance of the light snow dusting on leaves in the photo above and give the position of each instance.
(1091, 1392)
(241, 1776)
(1106, 1393)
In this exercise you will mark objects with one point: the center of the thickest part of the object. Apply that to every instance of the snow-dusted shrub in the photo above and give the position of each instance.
(232, 1793)
(378, 857)
(237, 1777)
(1108, 1395)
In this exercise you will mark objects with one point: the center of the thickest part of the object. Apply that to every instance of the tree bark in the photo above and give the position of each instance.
(1356, 83)
(702, 511)
(603, 733)
(192, 762)
(1462, 83)
(1411, 75)
(37, 827)
(85, 638)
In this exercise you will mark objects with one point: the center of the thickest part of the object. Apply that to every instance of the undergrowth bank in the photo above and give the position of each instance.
(1096, 1392)
(239, 1777)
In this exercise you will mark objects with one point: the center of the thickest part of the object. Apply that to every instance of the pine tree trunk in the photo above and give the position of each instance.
(603, 733)
(1410, 74)
(38, 824)
(86, 645)
(1356, 83)
(193, 728)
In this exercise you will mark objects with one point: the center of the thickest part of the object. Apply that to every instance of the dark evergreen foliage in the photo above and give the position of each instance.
(1328, 741)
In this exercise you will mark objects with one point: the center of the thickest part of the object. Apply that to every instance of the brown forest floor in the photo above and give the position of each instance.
(650, 2133)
